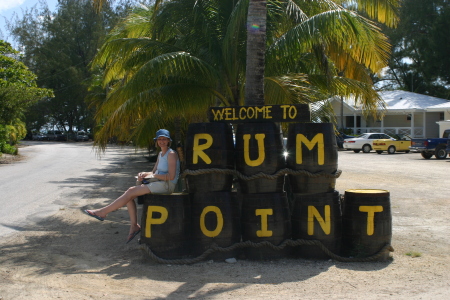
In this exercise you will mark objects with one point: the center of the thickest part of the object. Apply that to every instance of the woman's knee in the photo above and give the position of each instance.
(138, 190)
(131, 191)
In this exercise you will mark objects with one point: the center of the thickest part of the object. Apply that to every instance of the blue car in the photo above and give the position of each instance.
(448, 145)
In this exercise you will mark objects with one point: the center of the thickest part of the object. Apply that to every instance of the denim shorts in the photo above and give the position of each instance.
(161, 187)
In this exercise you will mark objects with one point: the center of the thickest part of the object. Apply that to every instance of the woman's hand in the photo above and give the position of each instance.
(142, 175)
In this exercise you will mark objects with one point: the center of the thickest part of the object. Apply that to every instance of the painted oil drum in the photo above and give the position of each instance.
(209, 146)
(259, 149)
(166, 223)
(312, 147)
(215, 220)
(266, 217)
(367, 222)
(317, 217)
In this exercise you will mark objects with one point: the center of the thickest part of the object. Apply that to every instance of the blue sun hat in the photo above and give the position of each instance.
(164, 133)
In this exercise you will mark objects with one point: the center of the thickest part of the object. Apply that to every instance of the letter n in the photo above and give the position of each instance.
(324, 224)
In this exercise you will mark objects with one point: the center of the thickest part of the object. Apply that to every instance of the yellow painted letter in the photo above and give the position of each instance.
(218, 114)
(325, 225)
(219, 216)
(264, 213)
(149, 221)
(317, 139)
(370, 210)
(198, 149)
(261, 151)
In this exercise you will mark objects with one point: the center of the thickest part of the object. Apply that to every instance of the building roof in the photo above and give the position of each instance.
(405, 101)
(402, 100)
(439, 107)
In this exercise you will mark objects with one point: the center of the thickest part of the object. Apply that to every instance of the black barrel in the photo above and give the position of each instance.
(209, 146)
(367, 222)
(259, 149)
(317, 217)
(215, 220)
(312, 147)
(166, 223)
(265, 217)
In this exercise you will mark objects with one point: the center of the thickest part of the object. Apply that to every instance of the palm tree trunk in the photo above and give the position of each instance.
(256, 50)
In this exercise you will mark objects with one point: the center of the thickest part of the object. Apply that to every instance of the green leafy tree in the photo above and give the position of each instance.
(59, 47)
(18, 91)
(183, 56)
(420, 62)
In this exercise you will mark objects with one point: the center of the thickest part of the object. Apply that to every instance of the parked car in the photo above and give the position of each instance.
(81, 136)
(39, 136)
(433, 146)
(56, 135)
(340, 137)
(364, 141)
(400, 144)
(51, 136)
(448, 146)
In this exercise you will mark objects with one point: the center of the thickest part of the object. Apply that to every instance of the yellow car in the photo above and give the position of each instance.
(400, 144)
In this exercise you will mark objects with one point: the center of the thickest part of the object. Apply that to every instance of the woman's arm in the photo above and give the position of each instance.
(155, 167)
(142, 175)
(172, 160)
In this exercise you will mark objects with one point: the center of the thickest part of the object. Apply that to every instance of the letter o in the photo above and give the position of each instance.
(292, 112)
(252, 111)
(219, 216)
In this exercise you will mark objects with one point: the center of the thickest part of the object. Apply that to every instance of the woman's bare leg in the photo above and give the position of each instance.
(132, 211)
(123, 200)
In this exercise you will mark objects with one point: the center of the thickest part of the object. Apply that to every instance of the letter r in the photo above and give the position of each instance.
(198, 149)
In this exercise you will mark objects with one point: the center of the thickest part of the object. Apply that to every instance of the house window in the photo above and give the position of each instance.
(349, 121)
(441, 116)
(408, 117)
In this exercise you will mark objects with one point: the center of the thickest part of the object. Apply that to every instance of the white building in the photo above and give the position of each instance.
(406, 113)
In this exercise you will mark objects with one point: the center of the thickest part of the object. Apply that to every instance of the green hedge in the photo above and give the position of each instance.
(8, 133)
(8, 149)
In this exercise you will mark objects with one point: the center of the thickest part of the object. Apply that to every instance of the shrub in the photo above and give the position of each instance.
(8, 149)
(9, 136)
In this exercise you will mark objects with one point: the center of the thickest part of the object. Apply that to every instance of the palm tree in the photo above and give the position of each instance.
(186, 55)
(256, 50)
(382, 11)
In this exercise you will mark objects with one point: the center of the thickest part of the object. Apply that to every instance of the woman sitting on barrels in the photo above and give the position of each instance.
(166, 171)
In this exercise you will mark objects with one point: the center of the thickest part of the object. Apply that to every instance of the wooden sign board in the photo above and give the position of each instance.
(265, 113)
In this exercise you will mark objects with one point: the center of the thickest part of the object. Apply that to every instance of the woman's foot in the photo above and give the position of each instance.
(94, 215)
(134, 231)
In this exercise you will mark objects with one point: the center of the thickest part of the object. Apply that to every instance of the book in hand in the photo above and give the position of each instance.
(149, 178)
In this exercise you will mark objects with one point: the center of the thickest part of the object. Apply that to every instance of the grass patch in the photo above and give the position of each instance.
(413, 254)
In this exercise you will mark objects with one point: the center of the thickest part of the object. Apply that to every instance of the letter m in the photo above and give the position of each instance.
(317, 140)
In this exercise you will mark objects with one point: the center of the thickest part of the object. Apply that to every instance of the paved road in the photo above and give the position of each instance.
(52, 176)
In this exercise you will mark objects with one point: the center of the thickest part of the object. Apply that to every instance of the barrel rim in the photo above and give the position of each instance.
(366, 191)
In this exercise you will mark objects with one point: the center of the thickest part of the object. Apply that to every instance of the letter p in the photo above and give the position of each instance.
(150, 220)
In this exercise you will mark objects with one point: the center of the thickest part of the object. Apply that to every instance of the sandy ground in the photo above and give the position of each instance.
(71, 256)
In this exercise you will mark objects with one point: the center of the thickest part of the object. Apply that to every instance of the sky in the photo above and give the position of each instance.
(9, 7)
